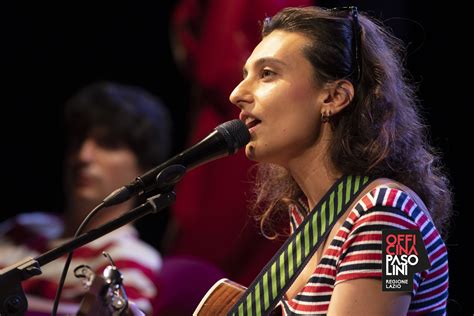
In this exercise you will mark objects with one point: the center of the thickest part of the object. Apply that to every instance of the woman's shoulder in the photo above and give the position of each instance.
(391, 201)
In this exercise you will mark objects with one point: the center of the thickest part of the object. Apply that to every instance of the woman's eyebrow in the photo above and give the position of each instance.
(264, 60)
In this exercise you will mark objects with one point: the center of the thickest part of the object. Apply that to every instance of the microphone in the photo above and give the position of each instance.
(225, 140)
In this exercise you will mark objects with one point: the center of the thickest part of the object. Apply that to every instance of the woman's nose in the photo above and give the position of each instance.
(241, 95)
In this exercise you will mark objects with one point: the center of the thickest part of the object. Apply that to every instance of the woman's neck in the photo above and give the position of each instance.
(314, 173)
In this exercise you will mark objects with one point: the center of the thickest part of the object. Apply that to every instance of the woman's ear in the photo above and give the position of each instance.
(338, 95)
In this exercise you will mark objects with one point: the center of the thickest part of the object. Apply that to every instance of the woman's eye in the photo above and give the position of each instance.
(267, 73)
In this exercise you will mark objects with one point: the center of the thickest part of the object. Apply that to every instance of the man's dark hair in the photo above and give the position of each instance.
(120, 115)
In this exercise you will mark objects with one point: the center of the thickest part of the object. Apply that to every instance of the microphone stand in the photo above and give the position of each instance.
(13, 301)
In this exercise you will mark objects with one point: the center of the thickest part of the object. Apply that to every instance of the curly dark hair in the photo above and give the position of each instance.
(381, 133)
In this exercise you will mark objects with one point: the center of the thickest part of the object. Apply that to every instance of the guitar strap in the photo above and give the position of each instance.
(271, 284)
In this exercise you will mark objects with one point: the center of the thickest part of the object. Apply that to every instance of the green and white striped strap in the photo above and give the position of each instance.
(267, 289)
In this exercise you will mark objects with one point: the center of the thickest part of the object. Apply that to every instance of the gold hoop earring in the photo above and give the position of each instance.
(325, 116)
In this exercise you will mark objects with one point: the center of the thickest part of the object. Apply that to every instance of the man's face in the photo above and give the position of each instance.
(94, 169)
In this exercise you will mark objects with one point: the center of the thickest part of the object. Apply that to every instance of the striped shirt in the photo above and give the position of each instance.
(31, 234)
(356, 252)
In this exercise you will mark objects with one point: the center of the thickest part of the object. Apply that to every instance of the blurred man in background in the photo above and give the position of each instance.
(115, 133)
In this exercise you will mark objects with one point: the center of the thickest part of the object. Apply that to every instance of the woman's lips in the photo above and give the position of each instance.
(250, 121)
(252, 127)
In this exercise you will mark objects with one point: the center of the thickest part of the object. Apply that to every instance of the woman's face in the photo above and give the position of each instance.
(279, 99)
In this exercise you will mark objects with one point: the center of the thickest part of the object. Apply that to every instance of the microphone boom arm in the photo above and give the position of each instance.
(12, 298)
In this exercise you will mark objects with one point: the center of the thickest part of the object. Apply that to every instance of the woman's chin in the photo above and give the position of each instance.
(254, 154)
(250, 152)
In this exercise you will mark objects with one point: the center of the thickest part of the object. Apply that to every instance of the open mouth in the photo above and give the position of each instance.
(249, 120)
(252, 122)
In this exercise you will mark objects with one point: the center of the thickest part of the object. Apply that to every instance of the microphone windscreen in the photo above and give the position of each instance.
(235, 133)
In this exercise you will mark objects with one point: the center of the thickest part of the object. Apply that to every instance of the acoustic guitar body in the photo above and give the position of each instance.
(221, 298)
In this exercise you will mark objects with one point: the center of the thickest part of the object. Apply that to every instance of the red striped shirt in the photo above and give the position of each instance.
(356, 252)
(30, 235)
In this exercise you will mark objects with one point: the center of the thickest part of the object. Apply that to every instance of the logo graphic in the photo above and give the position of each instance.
(403, 254)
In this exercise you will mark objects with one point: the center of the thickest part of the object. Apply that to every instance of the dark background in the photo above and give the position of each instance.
(48, 52)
